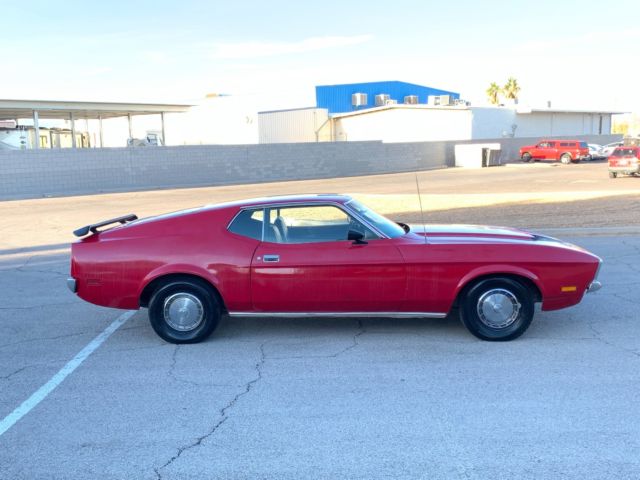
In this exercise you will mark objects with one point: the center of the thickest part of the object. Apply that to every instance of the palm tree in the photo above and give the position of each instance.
(511, 89)
(493, 92)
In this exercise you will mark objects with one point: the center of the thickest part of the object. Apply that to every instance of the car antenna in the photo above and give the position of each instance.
(424, 225)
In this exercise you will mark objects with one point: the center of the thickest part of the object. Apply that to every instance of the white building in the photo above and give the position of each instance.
(423, 123)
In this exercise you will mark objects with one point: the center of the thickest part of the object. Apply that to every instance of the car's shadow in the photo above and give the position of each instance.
(270, 327)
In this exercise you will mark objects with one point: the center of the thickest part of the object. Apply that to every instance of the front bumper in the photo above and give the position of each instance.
(595, 285)
(72, 284)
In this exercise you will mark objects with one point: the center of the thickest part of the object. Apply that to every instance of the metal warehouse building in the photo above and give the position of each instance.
(404, 112)
(359, 96)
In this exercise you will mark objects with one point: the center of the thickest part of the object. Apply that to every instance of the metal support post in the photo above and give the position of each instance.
(73, 130)
(36, 128)
(164, 141)
(101, 135)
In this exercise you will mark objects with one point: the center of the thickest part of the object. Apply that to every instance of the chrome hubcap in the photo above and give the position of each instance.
(498, 308)
(183, 312)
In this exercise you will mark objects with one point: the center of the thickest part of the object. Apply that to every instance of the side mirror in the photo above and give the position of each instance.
(357, 237)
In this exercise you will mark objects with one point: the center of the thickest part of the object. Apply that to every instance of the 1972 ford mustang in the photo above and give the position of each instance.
(322, 255)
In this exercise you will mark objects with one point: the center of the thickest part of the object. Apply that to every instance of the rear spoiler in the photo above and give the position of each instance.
(93, 228)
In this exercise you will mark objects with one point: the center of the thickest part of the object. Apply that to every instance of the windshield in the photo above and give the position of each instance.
(624, 152)
(386, 226)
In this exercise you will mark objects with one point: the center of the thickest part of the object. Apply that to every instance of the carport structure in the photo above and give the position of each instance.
(72, 111)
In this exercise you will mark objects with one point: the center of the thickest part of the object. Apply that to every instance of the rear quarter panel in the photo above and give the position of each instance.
(114, 267)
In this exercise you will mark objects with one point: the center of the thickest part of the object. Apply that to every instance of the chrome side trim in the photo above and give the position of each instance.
(339, 314)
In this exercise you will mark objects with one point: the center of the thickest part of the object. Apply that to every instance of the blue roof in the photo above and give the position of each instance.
(337, 98)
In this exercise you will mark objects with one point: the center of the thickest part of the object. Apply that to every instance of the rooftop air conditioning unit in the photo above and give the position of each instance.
(444, 100)
(381, 99)
(411, 100)
(391, 102)
(358, 99)
(433, 100)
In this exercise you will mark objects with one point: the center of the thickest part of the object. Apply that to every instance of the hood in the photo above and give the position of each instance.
(476, 231)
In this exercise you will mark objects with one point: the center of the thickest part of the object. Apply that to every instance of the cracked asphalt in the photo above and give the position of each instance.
(320, 398)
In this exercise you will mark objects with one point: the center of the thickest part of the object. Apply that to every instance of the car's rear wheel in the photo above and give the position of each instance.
(613, 174)
(184, 311)
(565, 158)
(526, 157)
(497, 309)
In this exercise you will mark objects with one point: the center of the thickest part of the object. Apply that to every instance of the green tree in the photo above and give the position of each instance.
(511, 89)
(493, 92)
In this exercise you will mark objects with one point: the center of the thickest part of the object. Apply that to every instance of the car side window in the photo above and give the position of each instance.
(311, 224)
(248, 223)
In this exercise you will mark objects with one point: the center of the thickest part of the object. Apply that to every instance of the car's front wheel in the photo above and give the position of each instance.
(526, 157)
(613, 174)
(184, 311)
(497, 309)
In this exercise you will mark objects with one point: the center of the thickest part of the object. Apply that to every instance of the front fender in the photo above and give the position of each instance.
(493, 270)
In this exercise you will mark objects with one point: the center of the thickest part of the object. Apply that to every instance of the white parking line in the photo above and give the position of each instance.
(40, 394)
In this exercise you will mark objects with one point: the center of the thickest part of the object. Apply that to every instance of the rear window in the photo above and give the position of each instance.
(248, 223)
(625, 152)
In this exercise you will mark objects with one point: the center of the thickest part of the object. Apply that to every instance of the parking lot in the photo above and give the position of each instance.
(317, 398)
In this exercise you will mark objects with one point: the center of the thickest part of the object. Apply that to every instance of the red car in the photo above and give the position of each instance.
(566, 151)
(624, 161)
(322, 255)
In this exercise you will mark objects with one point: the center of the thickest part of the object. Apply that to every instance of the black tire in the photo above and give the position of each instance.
(565, 158)
(526, 157)
(195, 307)
(504, 291)
(613, 174)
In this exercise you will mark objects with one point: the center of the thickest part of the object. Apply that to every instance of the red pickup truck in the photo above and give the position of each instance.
(566, 151)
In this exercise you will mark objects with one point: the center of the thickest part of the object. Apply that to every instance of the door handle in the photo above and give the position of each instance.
(271, 258)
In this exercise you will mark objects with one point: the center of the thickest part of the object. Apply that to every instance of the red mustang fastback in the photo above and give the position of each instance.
(322, 255)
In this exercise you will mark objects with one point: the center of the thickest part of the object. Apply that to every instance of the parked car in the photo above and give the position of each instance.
(566, 151)
(322, 255)
(610, 147)
(595, 151)
(624, 161)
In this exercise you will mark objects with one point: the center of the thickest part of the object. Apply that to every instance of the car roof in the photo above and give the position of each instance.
(251, 202)
(560, 140)
(280, 199)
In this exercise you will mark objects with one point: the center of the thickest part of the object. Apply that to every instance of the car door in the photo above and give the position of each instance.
(539, 152)
(306, 264)
(550, 151)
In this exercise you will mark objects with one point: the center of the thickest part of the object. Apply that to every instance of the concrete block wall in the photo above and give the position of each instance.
(37, 173)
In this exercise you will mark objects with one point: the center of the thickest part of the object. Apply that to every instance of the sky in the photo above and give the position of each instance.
(566, 52)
